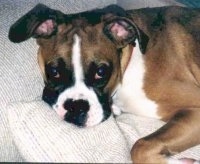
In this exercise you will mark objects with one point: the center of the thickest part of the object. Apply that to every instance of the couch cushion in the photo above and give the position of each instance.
(41, 136)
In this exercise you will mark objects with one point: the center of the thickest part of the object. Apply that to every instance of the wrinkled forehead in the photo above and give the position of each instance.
(93, 43)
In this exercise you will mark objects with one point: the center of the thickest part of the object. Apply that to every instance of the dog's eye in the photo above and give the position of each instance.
(53, 72)
(98, 74)
(101, 72)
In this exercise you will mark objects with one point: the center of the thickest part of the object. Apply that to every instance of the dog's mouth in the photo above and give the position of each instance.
(80, 112)
(74, 112)
(86, 111)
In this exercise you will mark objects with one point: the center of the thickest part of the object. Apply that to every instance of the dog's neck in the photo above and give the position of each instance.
(127, 52)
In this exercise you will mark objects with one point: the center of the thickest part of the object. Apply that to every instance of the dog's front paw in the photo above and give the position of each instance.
(182, 161)
(189, 161)
(147, 152)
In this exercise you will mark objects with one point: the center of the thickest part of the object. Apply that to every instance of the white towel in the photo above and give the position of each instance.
(41, 136)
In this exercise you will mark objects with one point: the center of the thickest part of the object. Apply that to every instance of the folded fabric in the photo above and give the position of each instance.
(41, 136)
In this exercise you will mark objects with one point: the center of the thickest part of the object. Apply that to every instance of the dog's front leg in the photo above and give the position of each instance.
(180, 133)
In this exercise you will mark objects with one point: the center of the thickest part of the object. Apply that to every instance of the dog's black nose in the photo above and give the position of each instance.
(76, 106)
(76, 111)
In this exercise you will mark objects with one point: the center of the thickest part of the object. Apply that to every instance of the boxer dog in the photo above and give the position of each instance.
(145, 61)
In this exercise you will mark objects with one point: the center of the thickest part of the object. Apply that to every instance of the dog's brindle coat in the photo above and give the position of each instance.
(168, 38)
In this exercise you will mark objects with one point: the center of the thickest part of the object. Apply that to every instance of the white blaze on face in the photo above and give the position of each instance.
(76, 60)
(80, 90)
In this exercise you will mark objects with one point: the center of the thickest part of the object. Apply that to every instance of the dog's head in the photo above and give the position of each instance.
(79, 56)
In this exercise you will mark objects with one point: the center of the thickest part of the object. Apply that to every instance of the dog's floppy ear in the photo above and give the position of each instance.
(123, 31)
(41, 21)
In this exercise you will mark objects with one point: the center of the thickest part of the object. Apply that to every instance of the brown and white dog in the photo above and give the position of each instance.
(144, 61)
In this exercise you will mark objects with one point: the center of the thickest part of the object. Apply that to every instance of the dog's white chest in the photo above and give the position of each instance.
(130, 96)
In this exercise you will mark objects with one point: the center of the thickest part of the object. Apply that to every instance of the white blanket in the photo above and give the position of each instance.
(41, 136)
